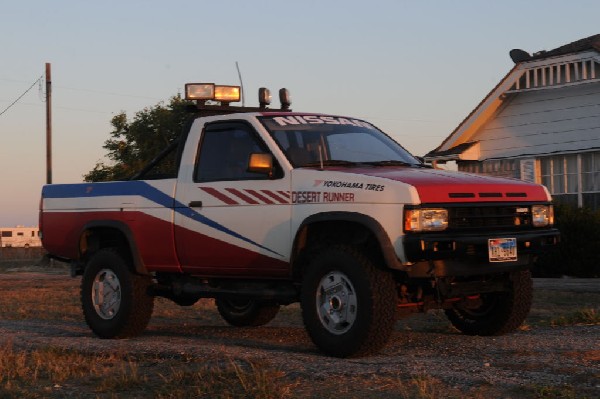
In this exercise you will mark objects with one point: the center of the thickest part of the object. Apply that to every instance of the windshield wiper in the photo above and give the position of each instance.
(398, 163)
(390, 163)
(331, 162)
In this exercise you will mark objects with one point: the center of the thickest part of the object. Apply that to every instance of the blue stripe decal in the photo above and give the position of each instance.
(142, 189)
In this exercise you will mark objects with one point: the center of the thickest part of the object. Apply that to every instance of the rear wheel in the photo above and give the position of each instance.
(348, 304)
(115, 300)
(246, 312)
(498, 312)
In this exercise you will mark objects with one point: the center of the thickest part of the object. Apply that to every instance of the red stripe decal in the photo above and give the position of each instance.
(260, 197)
(242, 196)
(219, 195)
(275, 196)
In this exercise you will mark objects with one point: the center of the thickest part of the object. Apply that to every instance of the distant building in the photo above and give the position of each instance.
(541, 123)
(20, 236)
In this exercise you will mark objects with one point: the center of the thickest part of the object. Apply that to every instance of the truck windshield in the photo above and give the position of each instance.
(313, 140)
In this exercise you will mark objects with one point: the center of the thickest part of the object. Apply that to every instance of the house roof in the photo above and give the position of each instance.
(457, 141)
(454, 151)
(588, 43)
(457, 149)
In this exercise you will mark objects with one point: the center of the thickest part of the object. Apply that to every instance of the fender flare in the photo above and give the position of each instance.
(122, 227)
(387, 249)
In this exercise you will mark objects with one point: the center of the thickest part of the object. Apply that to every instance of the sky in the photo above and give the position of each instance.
(414, 68)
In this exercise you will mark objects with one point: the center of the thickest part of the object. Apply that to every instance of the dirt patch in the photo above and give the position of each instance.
(425, 358)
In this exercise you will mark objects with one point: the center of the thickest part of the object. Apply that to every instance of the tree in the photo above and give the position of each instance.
(132, 144)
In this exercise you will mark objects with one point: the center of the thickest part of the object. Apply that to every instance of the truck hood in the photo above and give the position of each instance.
(437, 186)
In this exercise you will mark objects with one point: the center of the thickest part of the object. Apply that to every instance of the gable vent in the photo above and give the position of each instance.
(557, 75)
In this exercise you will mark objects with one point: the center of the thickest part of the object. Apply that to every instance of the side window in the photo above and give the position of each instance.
(163, 166)
(225, 151)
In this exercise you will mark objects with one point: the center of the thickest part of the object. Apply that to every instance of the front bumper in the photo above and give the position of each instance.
(462, 254)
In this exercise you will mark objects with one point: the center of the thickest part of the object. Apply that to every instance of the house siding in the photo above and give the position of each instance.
(539, 122)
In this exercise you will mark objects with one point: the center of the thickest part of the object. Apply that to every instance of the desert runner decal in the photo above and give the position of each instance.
(305, 197)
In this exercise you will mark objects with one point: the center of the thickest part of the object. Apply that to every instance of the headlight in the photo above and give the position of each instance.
(542, 215)
(425, 220)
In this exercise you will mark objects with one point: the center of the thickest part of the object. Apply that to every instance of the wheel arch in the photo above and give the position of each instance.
(339, 226)
(110, 233)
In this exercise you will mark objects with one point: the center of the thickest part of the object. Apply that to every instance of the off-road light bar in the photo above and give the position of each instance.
(210, 91)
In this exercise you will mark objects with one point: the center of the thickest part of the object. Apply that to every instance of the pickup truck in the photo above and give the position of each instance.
(260, 208)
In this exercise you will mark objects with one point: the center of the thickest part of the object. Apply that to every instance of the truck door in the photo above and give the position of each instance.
(229, 221)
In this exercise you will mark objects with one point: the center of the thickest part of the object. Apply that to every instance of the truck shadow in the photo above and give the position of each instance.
(287, 339)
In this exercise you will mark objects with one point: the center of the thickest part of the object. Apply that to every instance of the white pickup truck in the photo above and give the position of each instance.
(259, 208)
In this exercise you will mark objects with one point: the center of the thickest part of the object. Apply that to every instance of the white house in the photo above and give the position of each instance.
(540, 123)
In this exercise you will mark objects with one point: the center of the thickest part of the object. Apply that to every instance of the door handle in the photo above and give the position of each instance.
(195, 204)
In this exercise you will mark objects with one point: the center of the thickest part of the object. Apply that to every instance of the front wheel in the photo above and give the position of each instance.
(498, 312)
(348, 304)
(115, 300)
(246, 312)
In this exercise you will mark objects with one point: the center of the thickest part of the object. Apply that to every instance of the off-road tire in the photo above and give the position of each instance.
(348, 304)
(131, 315)
(500, 312)
(246, 312)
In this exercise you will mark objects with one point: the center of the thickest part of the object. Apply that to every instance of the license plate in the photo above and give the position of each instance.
(502, 249)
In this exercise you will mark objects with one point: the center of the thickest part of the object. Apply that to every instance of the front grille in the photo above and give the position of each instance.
(485, 217)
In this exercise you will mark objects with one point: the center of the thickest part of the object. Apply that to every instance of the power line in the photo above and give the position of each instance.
(22, 95)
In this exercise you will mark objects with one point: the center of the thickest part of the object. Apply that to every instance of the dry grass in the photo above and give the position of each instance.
(582, 316)
(44, 372)
(235, 379)
(420, 386)
(549, 305)
(563, 308)
(53, 372)
(561, 392)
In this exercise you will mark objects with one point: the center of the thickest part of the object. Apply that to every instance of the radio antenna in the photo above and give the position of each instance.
(241, 83)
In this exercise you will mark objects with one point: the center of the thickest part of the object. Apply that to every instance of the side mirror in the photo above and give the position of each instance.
(261, 163)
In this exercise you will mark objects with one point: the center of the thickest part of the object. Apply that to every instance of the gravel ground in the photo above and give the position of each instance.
(567, 284)
(539, 356)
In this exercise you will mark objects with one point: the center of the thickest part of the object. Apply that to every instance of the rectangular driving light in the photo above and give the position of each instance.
(227, 94)
(200, 91)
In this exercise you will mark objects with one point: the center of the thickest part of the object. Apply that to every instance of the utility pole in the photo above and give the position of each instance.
(48, 124)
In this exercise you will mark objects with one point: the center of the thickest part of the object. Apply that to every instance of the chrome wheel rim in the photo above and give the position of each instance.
(336, 303)
(106, 294)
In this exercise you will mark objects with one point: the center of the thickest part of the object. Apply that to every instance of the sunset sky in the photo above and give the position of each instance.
(413, 68)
